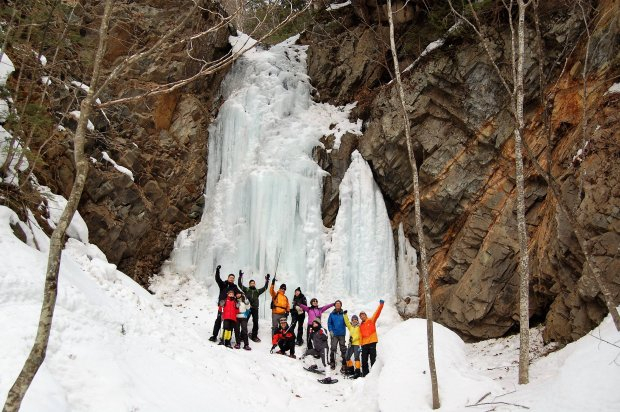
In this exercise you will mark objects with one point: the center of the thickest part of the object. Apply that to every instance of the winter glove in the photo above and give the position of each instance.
(217, 270)
(240, 273)
(267, 277)
(382, 301)
(273, 282)
(345, 312)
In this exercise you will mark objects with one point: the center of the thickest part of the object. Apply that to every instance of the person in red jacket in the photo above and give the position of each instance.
(230, 309)
(368, 335)
(284, 338)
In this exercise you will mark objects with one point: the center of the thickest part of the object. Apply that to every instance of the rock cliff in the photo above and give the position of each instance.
(462, 127)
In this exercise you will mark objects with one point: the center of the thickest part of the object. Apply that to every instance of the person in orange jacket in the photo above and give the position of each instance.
(368, 334)
(280, 307)
(229, 314)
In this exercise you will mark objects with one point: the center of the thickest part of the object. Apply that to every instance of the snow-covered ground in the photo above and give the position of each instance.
(116, 347)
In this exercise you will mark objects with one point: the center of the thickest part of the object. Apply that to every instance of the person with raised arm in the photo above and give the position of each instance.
(252, 294)
(353, 351)
(368, 333)
(314, 312)
(280, 307)
(221, 300)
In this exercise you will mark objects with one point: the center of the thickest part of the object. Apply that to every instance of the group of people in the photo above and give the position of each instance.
(237, 303)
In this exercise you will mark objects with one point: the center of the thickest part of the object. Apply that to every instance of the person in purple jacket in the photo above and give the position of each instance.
(314, 312)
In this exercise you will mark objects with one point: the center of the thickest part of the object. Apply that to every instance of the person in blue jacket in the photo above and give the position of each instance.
(337, 332)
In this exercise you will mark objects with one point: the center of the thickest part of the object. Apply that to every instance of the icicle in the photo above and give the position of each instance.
(408, 276)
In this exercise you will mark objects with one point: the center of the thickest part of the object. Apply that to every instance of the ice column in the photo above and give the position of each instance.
(263, 191)
(408, 276)
(359, 260)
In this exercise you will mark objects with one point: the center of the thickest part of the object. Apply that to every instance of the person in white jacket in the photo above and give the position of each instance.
(241, 327)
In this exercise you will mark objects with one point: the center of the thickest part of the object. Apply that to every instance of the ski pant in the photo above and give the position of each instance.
(316, 354)
(218, 322)
(368, 351)
(254, 316)
(275, 321)
(337, 341)
(241, 328)
(229, 325)
(353, 351)
(309, 337)
(287, 345)
(297, 319)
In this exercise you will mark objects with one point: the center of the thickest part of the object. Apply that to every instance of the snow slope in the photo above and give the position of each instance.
(115, 347)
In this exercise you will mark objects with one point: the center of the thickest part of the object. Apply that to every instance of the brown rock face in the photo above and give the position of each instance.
(462, 131)
(162, 140)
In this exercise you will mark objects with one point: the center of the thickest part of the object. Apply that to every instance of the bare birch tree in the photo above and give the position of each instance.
(418, 216)
(37, 354)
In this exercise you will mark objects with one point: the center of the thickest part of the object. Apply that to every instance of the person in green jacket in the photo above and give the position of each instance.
(252, 294)
(354, 349)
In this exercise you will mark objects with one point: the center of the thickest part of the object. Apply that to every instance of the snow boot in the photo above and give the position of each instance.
(213, 338)
(237, 346)
(292, 356)
(227, 344)
(348, 371)
(356, 374)
(332, 365)
(221, 342)
(300, 342)
(247, 347)
(255, 339)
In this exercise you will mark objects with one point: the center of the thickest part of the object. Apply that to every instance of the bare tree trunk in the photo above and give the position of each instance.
(37, 354)
(524, 277)
(418, 218)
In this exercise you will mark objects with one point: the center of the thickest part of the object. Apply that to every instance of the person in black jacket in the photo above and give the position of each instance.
(298, 315)
(224, 288)
(252, 294)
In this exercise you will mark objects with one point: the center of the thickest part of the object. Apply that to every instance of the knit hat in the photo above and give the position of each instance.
(318, 322)
(283, 286)
(354, 317)
(283, 320)
(298, 289)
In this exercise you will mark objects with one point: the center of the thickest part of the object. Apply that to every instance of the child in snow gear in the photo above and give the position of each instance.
(229, 314)
(280, 306)
(354, 346)
(241, 327)
(319, 349)
(224, 288)
(298, 315)
(337, 332)
(252, 294)
(284, 338)
(368, 333)
(314, 312)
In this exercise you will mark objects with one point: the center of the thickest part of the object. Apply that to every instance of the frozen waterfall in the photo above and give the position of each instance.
(360, 255)
(263, 192)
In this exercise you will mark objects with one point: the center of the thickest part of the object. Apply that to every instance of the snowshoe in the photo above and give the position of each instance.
(314, 369)
(255, 339)
(212, 338)
(328, 380)
(221, 342)
(237, 346)
(247, 347)
(292, 356)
